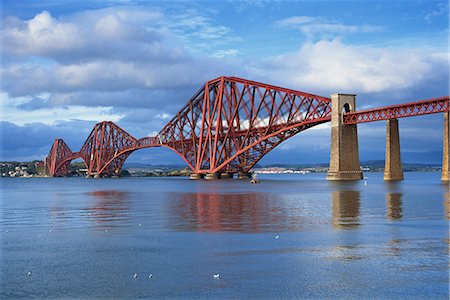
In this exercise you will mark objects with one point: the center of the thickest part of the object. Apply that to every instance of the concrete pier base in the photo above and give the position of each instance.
(226, 175)
(244, 175)
(344, 153)
(446, 149)
(89, 176)
(393, 163)
(97, 176)
(212, 176)
(115, 176)
(195, 176)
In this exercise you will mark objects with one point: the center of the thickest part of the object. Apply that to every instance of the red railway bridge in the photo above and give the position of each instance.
(231, 123)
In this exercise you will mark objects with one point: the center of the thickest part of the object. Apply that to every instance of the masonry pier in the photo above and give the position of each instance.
(195, 176)
(210, 176)
(393, 163)
(225, 175)
(344, 154)
(446, 149)
(244, 175)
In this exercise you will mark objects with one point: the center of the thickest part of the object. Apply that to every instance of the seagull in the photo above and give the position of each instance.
(51, 230)
(106, 230)
(216, 276)
(135, 275)
(150, 276)
(277, 237)
(29, 273)
(365, 180)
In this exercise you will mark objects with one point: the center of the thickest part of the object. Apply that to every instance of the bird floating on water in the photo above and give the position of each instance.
(216, 276)
(150, 276)
(29, 273)
(140, 224)
(135, 275)
(277, 237)
(51, 230)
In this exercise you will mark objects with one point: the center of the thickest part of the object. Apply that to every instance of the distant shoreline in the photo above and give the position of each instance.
(168, 176)
(35, 169)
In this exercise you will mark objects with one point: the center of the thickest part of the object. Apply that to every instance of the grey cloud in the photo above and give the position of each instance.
(34, 104)
(23, 80)
(33, 141)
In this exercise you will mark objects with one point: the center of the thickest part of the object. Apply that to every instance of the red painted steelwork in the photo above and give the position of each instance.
(231, 123)
(423, 107)
(58, 160)
(103, 149)
(227, 126)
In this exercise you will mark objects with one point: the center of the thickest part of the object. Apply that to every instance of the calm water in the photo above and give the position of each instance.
(86, 238)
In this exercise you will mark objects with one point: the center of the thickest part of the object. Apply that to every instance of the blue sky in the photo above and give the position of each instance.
(67, 65)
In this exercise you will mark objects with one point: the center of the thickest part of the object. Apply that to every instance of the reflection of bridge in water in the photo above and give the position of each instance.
(394, 206)
(250, 212)
(447, 205)
(231, 123)
(109, 208)
(346, 206)
(254, 212)
(243, 212)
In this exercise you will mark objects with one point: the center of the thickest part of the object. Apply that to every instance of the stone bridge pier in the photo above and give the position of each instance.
(344, 154)
(392, 164)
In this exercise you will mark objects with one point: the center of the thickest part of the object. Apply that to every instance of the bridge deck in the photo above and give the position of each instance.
(423, 107)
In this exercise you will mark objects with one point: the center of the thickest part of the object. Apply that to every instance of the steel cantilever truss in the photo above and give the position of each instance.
(104, 148)
(231, 123)
(58, 160)
(227, 126)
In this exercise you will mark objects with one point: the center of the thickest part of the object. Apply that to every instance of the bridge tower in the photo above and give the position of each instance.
(344, 154)
(446, 150)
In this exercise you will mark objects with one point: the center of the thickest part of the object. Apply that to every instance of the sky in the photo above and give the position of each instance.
(67, 65)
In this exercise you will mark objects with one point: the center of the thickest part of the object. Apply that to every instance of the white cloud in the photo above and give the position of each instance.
(223, 53)
(312, 26)
(40, 36)
(333, 66)
(199, 33)
(103, 34)
(163, 116)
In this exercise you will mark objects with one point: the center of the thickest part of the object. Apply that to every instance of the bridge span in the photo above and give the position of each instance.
(230, 123)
